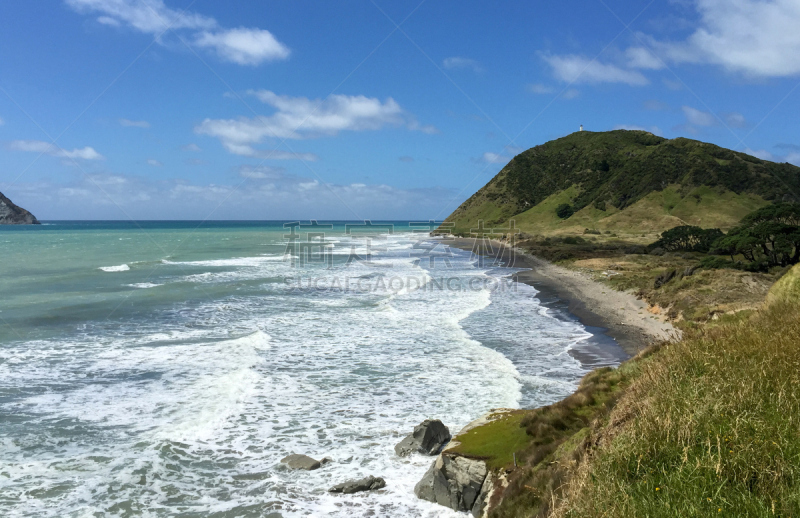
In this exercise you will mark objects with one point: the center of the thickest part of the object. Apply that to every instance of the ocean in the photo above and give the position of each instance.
(164, 368)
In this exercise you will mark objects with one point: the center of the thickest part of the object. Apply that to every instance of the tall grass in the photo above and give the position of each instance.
(711, 426)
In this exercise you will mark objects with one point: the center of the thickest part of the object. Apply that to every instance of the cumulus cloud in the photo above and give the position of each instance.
(191, 147)
(697, 117)
(639, 57)
(578, 69)
(456, 63)
(571, 93)
(134, 124)
(735, 120)
(38, 146)
(303, 118)
(495, 158)
(243, 46)
(755, 37)
(262, 172)
(153, 162)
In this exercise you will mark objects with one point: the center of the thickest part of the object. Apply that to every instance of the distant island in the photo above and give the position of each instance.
(11, 214)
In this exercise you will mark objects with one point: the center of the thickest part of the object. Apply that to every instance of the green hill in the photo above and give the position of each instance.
(626, 182)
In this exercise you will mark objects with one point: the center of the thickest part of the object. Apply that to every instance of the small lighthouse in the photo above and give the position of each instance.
(581, 127)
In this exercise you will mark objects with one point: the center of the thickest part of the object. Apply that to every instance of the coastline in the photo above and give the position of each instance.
(619, 316)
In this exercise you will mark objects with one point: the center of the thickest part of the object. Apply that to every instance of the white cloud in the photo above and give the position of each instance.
(134, 124)
(539, 88)
(456, 63)
(760, 153)
(191, 147)
(273, 195)
(697, 117)
(38, 146)
(244, 46)
(672, 85)
(735, 120)
(793, 158)
(495, 158)
(572, 93)
(655, 130)
(578, 69)
(150, 16)
(754, 37)
(639, 57)
(153, 162)
(261, 172)
(303, 118)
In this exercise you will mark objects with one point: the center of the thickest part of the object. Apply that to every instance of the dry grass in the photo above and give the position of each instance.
(710, 426)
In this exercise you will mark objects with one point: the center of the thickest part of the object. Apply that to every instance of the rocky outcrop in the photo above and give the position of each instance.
(456, 482)
(11, 214)
(354, 486)
(297, 461)
(428, 438)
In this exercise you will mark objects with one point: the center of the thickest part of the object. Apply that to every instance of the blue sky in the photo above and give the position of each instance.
(173, 109)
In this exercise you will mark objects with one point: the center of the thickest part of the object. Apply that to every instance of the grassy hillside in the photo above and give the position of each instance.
(709, 425)
(626, 181)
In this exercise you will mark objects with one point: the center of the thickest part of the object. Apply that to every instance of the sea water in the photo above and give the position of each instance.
(164, 369)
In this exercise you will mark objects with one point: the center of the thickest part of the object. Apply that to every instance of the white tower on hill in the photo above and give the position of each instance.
(581, 127)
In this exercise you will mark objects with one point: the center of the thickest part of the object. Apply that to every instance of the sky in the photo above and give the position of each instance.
(363, 109)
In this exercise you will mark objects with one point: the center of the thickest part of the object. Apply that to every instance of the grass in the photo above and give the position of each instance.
(495, 442)
(626, 182)
(710, 426)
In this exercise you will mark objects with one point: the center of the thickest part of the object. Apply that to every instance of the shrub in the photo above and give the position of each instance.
(574, 240)
(564, 211)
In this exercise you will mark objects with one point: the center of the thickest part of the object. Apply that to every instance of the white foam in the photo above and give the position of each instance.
(120, 268)
(143, 285)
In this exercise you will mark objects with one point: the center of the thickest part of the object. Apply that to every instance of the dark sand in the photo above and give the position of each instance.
(620, 323)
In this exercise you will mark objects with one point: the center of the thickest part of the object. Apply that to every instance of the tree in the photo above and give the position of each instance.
(768, 237)
(688, 239)
(564, 211)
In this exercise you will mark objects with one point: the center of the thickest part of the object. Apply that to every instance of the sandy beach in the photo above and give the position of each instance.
(622, 315)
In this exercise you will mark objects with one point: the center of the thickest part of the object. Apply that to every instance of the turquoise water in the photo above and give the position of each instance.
(164, 368)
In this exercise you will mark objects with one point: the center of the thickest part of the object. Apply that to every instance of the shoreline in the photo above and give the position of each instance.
(617, 316)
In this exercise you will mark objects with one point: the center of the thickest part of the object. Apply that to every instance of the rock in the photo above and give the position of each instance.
(428, 438)
(297, 461)
(689, 271)
(664, 278)
(455, 482)
(354, 486)
(11, 214)
(658, 251)
(325, 460)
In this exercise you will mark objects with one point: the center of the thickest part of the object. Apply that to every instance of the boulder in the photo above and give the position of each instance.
(297, 461)
(354, 486)
(664, 278)
(455, 482)
(428, 438)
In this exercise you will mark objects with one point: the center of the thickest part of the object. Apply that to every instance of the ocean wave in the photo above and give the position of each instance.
(143, 285)
(112, 269)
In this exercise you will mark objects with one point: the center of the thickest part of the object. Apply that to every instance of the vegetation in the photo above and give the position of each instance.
(564, 211)
(767, 237)
(627, 180)
(707, 425)
(688, 238)
(711, 425)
